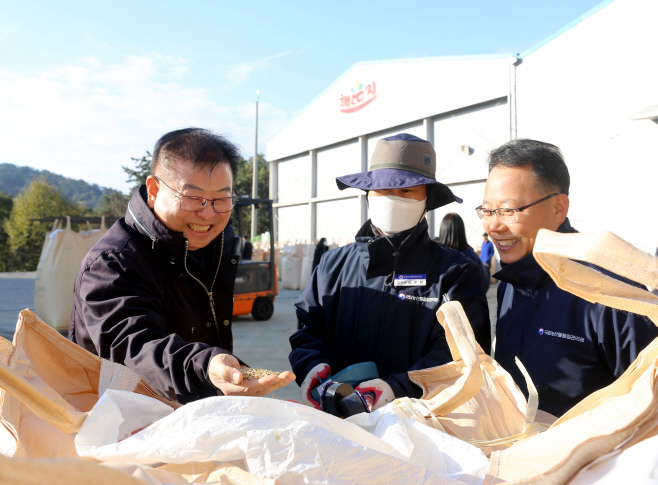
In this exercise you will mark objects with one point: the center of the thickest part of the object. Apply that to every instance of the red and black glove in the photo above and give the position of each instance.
(311, 381)
(376, 392)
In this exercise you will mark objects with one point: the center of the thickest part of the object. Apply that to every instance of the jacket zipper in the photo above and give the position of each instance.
(139, 223)
(211, 298)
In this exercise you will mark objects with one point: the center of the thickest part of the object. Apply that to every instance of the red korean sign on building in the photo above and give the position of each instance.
(360, 96)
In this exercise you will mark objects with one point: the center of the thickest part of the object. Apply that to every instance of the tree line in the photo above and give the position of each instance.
(13, 179)
(21, 238)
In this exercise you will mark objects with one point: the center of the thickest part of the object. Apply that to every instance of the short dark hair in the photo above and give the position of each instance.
(452, 232)
(203, 148)
(547, 162)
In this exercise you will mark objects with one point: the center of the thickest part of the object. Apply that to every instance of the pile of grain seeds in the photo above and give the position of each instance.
(250, 373)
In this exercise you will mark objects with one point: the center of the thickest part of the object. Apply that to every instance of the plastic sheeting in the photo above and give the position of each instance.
(289, 442)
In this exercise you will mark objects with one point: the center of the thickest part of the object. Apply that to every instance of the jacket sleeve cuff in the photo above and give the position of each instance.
(403, 387)
(199, 370)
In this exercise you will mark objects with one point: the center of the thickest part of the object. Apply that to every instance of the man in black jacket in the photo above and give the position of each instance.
(247, 248)
(569, 346)
(156, 293)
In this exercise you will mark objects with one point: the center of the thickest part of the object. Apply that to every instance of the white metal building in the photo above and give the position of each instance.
(591, 89)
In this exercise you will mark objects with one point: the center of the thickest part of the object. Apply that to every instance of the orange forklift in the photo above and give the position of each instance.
(256, 284)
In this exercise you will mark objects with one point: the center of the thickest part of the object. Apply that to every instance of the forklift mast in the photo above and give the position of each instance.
(248, 202)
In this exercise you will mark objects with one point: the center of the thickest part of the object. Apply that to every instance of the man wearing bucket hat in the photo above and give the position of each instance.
(376, 299)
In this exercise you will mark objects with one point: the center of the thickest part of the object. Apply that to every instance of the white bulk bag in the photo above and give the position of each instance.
(63, 251)
(291, 267)
(308, 250)
(306, 270)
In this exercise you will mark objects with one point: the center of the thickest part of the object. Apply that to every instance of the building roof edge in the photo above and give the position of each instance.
(475, 57)
(564, 29)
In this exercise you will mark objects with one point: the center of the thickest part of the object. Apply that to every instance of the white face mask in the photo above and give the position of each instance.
(393, 214)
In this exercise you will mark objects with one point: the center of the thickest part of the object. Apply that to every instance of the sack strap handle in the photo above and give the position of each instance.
(464, 348)
(65, 418)
(555, 253)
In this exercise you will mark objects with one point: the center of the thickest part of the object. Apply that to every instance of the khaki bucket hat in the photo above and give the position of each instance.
(398, 162)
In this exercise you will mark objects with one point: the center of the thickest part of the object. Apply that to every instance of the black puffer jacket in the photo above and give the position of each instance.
(136, 302)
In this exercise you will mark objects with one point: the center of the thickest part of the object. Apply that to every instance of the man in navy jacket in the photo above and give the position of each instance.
(376, 299)
(486, 252)
(569, 346)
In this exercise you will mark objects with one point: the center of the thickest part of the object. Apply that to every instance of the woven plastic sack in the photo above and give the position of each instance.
(47, 386)
(63, 251)
(618, 416)
(639, 462)
(473, 397)
(75, 471)
(291, 268)
(285, 441)
(306, 271)
(17, 471)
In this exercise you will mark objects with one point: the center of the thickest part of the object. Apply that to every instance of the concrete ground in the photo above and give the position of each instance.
(16, 294)
(260, 344)
(265, 345)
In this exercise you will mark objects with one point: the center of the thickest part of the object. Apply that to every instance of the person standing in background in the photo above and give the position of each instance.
(247, 248)
(452, 234)
(486, 252)
(320, 249)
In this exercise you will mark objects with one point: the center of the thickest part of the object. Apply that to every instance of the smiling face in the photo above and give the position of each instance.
(513, 187)
(201, 227)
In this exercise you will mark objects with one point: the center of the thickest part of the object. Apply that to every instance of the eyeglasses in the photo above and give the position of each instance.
(508, 216)
(195, 204)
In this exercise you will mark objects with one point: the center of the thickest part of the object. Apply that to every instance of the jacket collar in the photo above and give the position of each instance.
(140, 217)
(377, 252)
(366, 234)
(526, 271)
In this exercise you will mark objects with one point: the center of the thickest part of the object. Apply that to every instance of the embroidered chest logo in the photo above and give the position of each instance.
(566, 336)
(422, 299)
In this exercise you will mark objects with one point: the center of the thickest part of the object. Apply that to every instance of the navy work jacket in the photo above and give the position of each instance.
(569, 346)
(347, 314)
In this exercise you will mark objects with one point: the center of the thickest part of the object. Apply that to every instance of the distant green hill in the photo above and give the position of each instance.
(13, 179)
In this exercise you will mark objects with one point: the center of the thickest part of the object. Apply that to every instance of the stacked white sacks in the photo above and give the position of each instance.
(291, 266)
(296, 261)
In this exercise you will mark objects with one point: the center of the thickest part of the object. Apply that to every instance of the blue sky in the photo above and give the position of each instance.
(86, 85)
